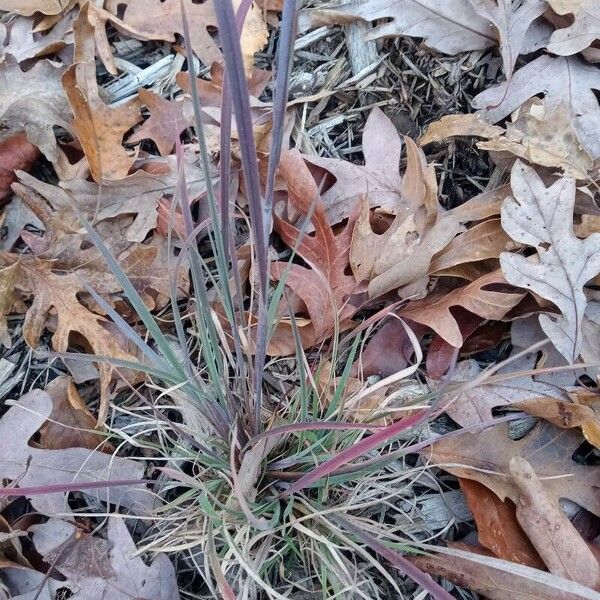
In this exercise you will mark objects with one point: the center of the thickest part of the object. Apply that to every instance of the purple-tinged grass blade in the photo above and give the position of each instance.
(358, 450)
(54, 488)
(234, 67)
(287, 34)
(396, 560)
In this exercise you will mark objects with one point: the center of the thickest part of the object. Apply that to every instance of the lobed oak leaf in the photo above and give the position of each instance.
(149, 265)
(435, 311)
(482, 241)
(584, 30)
(99, 569)
(450, 26)
(29, 466)
(512, 21)
(161, 20)
(23, 42)
(550, 76)
(34, 102)
(57, 294)
(136, 195)
(71, 424)
(29, 7)
(485, 456)
(472, 406)
(543, 218)
(166, 122)
(402, 254)
(100, 128)
(379, 179)
(323, 286)
(540, 136)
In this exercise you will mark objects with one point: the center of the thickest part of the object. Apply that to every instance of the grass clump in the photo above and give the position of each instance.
(256, 462)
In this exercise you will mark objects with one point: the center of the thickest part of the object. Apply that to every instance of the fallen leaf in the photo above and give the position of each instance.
(590, 427)
(29, 277)
(137, 195)
(29, 466)
(450, 26)
(161, 20)
(100, 128)
(562, 7)
(582, 33)
(459, 125)
(562, 549)
(34, 102)
(29, 7)
(544, 138)
(497, 526)
(485, 456)
(378, 180)
(324, 287)
(99, 569)
(24, 43)
(254, 35)
(71, 424)
(435, 311)
(402, 254)
(480, 242)
(498, 579)
(512, 20)
(543, 218)
(550, 76)
(473, 406)
(388, 351)
(16, 153)
(166, 122)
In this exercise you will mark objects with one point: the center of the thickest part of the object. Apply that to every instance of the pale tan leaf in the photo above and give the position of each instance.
(563, 7)
(499, 579)
(562, 549)
(402, 255)
(450, 26)
(512, 21)
(100, 128)
(34, 102)
(480, 242)
(550, 76)
(582, 33)
(544, 138)
(543, 218)
(484, 456)
(30, 466)
(161, 20)
(378, 180)
(459, 125)
(71, 424)
(29, 7)
(254, 34)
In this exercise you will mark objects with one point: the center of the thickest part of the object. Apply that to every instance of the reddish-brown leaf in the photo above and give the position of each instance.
(166, 122)
(16, 153)
(71, 424)
(436, 310)
(497, 526)
(324, 287)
